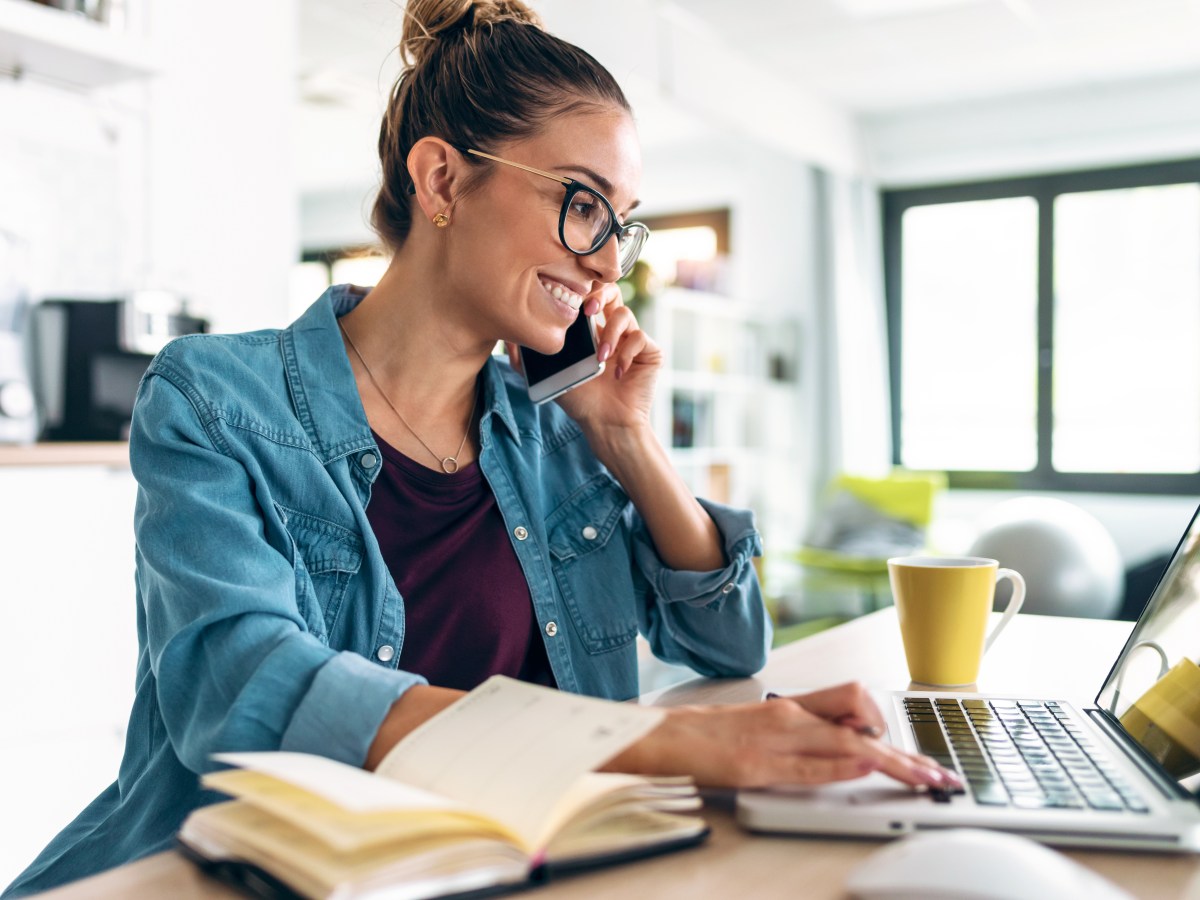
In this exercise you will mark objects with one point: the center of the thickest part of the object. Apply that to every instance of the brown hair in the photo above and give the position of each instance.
(476, 72)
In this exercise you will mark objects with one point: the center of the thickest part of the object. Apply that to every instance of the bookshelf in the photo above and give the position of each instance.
(728, 400)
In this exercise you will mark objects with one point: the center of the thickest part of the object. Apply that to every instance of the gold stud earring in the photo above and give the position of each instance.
(441, 220)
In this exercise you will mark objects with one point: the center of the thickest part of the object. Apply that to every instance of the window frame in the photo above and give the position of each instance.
(1043, 189)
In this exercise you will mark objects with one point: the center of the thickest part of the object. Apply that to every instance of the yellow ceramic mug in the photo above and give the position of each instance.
(943, 605)
(1163, 720)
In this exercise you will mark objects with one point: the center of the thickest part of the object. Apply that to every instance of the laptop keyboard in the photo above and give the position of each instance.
(1022, 754)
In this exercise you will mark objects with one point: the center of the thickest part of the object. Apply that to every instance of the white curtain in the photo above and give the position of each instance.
(854, 413)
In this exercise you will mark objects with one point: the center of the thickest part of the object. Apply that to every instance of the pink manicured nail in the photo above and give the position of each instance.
(620, 372)
(604, 352)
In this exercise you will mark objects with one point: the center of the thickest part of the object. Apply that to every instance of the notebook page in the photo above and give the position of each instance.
(349, 787)
(511, 750)
(343, 830)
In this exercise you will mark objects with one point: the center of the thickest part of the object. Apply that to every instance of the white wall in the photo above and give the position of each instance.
(224, 210)
(71, 188)
(337, 217)
(1078, 128)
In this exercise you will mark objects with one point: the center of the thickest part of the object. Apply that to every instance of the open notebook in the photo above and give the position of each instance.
(492, 794)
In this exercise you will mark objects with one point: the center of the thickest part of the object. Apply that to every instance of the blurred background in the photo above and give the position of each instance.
(927, 273)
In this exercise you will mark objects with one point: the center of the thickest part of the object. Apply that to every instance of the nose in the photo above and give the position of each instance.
(605, 262)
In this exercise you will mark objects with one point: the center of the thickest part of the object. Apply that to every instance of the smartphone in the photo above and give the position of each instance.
(552, 376)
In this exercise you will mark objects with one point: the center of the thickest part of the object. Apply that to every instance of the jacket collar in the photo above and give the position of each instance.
(322, 383)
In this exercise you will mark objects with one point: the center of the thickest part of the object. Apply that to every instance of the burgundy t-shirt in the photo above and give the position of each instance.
(467, 610)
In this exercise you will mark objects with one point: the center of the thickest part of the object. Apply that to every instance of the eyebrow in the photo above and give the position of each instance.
(594, 177)
(599, 181)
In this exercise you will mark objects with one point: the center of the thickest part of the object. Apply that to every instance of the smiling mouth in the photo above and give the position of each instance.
(562, 294)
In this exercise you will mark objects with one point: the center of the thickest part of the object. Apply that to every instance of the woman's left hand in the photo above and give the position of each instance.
(622, 395)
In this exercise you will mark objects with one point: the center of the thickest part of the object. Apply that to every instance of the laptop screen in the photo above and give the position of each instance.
(1154, 688)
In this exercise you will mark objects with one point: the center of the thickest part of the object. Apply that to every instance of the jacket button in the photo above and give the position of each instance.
(551, 628)
(368, 460)
(385, 653)
(589, 533)
(728, 589)
(520, 533)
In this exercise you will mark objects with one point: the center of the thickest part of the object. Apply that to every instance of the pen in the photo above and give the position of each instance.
(864, 730)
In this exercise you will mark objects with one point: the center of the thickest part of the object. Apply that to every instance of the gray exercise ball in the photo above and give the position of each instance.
(1070, 562)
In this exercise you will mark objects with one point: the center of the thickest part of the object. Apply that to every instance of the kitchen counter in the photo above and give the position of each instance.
(94, 453)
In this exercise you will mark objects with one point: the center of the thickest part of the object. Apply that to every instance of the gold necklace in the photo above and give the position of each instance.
(449, 463)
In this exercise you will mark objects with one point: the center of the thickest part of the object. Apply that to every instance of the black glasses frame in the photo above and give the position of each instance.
(636, 232)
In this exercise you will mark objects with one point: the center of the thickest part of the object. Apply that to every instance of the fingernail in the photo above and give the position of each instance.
(620, 372)
(932, 776)
(604, 352)
(591, 307)
(870, 731)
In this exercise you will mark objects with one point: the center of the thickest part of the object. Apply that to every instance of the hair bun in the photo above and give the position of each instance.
(427, 21)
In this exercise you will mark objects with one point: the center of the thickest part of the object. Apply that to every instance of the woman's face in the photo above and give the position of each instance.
(509, 262)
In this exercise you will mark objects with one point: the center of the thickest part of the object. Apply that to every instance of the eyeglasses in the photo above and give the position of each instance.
(587, 219)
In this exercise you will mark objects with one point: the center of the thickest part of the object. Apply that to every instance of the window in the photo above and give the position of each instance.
(689, 250)
(970, 283)
(318, 269)
(1045, 332)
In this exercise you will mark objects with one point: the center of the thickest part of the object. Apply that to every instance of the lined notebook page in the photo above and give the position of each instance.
(511, 750)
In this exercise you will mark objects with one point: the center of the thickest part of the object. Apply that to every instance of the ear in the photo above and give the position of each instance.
(437, 171)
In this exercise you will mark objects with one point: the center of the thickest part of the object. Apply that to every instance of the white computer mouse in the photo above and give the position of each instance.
(974, 864)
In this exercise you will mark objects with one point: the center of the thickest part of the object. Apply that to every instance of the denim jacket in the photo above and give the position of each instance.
(267, 618)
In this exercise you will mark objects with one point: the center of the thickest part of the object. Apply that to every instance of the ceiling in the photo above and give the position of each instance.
(893, 54)
(864, 57)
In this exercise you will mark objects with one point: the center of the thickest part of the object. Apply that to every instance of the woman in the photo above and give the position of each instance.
(344, 524)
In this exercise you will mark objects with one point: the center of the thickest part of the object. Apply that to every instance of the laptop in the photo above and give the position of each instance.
(1121, 773)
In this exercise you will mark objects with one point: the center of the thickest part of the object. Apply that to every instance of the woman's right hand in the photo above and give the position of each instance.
(771, 743)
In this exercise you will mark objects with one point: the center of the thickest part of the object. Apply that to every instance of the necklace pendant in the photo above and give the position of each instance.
(449, 465)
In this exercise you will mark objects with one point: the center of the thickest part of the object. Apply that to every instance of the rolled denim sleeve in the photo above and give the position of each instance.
(715, 622)
(234, 663)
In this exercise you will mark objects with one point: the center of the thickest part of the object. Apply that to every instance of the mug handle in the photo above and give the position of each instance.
(1014, 603)
(1163, 668)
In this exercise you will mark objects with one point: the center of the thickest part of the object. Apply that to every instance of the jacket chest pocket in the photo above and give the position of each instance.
(327, 557)
(590, 558)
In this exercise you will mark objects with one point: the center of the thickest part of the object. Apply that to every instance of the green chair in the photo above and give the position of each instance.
(863, 522)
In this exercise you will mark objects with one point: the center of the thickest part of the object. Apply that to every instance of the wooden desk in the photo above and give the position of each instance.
(113, 454)
(1029, 659)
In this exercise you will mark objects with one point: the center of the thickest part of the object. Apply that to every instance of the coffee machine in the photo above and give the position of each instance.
(90, 356)
(18, 414)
